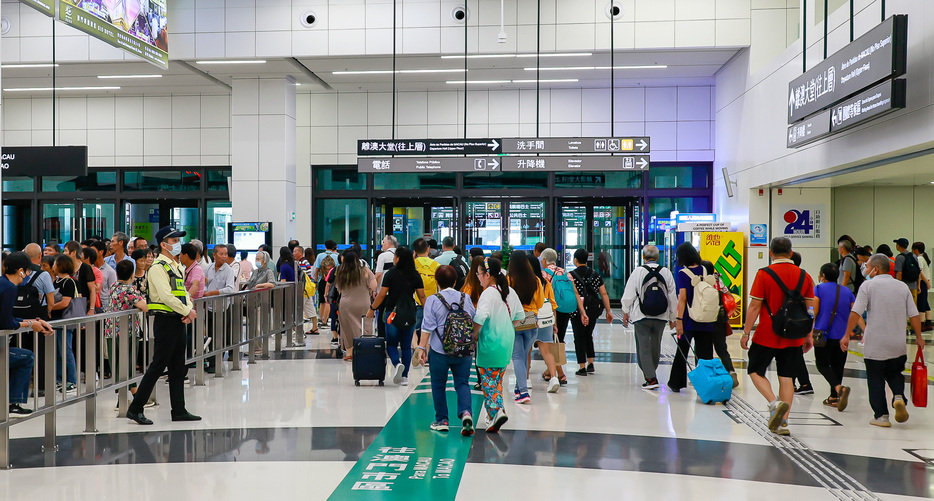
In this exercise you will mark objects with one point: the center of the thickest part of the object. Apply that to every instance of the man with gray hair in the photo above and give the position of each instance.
(887, 302)
(118, 245)
(650, 301)
(849, 266)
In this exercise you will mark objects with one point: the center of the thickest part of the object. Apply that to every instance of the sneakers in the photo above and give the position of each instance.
(17, 411)
(523, 398)
(404, 382)
(467, 424)
(735, 380)
(553, 385)
(777, 410)
(440, 426)
(783, 430)
(187, 379)
(497, 422)
(901, 411)
(207, 343)
(590, 369)
(69, 388)
(804, 389)
(882, 422)
(335, 343)
(397, 373)
(582, 372)
(843, 397)
(650, 384)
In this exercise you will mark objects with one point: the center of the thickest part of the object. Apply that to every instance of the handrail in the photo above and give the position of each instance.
(230, 320)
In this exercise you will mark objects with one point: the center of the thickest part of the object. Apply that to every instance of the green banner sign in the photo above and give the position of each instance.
(46, 7)
(409, 461)
(138, 32)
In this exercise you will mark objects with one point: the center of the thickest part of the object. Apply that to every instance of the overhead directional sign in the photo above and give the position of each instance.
(809, 130)
(578, 163)
(403, 147)
(638, 145)
(879, 54)
(46, 7)
(436, 164)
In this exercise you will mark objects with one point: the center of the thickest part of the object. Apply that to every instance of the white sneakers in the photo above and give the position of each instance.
(397, 374)
(553, 385)
(882, 422)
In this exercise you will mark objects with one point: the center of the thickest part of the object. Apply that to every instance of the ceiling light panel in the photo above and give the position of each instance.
(49, 89)
(128, 76)
(233, 61)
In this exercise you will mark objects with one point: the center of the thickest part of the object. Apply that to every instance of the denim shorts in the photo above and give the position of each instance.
(546, 334)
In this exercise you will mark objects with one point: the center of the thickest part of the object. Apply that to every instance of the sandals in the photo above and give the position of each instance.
(831, 402)
(546, 376)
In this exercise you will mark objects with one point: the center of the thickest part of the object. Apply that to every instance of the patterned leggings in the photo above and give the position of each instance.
(492, 382)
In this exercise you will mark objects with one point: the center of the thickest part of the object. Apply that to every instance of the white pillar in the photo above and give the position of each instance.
(263, 154)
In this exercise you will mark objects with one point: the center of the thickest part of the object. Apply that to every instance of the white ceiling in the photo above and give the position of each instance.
(917, 171)
(684, 67)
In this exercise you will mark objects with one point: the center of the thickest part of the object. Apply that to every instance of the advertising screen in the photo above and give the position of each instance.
(137, 26)
(250, 236)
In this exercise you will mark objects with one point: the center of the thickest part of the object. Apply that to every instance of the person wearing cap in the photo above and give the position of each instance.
(172, 310)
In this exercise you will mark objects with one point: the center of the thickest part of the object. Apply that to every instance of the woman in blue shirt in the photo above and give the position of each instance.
(287, 266)
(831, 358)
(15, 268)
(688, 329)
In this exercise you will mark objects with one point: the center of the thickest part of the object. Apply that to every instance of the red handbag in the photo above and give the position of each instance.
(919, 381)
(728, 300)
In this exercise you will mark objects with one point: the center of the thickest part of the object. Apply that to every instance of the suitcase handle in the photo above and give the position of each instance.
(674, 335)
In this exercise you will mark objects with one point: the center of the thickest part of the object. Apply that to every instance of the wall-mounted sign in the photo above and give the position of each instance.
(879, 54)
(801, 222)
(707, 226)
(687, 217)
(759, 235)
(44, 160)
(436, 164)
(809, 130)
(581, 163)
(867, 105)
(139, 28)
(46, 7)
(638, 145)
(403, 147)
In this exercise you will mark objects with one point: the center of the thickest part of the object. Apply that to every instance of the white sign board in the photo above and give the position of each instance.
(707, 226)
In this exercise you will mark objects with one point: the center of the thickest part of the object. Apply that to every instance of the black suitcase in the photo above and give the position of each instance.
(369, 359)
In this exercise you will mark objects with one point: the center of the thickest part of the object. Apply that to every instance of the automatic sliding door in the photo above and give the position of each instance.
(443, 223)
(484, 225)
(526, 224)
(59, 222)
(573, 233)
(609, 247)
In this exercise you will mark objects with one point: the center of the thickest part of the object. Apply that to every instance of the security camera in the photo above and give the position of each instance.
(614, 10)
(309, 19)
(459, 14)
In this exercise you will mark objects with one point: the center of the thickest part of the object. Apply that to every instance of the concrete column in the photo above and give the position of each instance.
(263, 153)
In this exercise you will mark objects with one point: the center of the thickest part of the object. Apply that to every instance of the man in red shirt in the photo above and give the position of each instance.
(767, 345)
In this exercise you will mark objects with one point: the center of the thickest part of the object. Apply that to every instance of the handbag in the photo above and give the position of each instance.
(820, 336)
(557, 351)
(528, 323)
(546, 315)
(919, 381)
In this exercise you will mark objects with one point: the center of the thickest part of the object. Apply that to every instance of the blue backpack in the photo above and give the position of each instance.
(564, 292)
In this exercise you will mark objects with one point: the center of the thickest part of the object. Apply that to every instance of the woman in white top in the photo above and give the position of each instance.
(924, 285)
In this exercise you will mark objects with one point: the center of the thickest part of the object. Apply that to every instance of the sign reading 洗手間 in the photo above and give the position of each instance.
(140, 28)
(46, 7)
(878, 55)
(403, 147)
(558, 145)
(44, 160)
(725, 251)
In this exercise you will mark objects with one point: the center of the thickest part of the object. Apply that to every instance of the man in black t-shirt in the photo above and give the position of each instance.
(84, 276)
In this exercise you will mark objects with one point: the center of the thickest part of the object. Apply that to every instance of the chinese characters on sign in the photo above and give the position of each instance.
(402, 147)
(725, 251)
(392, 464)
(802, 222)
(640, 145)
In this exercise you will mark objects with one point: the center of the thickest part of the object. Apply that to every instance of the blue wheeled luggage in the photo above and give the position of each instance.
(369, 359)
(711, 380)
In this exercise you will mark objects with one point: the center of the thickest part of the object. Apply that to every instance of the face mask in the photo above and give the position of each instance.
(259, 264)
(176, 249)
(867, 273)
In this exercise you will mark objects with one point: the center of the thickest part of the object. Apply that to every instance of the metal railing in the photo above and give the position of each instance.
(232, 321)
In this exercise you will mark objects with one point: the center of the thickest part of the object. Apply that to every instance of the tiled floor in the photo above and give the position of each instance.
(292, 428)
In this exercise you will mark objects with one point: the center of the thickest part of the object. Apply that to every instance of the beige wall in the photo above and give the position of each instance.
(880, 214)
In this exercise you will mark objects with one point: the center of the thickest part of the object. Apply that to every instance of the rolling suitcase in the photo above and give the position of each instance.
(369, 358)
(711, 380)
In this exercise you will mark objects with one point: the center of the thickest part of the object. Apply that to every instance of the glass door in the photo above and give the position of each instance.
(142, 220)
(98, 220)
(17, 225)
(443, 223)
(409, 220)
(483, 225)
(573, 233)
(59, 222)
(526, 224)
(186, 219)
(609, 246)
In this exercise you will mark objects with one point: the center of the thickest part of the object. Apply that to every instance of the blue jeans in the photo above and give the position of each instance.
(395, 337)
(520, 354)
(71, 368)
(460, 368)
(21, 362)
(419, 316)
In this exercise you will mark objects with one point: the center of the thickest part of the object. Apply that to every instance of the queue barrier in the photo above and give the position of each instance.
(260, 314)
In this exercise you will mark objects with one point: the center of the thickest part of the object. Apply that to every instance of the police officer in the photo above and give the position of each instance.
(171, 307)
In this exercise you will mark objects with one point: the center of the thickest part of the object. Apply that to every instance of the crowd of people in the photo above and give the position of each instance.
(115, 274)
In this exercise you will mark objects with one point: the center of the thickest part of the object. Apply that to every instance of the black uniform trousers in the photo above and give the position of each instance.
(170, 336)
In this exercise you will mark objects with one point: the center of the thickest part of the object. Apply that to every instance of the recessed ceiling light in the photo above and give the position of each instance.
(38, 65)
(234, 61)
(585, 68)
(507, 56)
(49, 89)
(128, 76)
(471, 82)
(389, 72)
(552, 80)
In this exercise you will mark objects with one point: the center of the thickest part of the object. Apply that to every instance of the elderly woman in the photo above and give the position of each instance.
(263, 276)
(550, 271)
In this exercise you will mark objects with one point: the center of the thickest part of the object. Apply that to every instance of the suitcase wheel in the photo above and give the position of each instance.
(381, 382)
(357, 383)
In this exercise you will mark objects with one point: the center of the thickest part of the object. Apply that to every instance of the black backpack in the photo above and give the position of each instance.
(29, 299)
(792, 320)
(462, 270)
(911, 270)
(593, 302)
(654, 300)
(856, 277)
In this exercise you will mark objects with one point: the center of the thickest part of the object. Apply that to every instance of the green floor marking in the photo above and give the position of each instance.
(409, 461)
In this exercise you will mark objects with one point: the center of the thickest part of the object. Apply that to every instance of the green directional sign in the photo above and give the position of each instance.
(135, 31)
(409, 461)
(46, 7)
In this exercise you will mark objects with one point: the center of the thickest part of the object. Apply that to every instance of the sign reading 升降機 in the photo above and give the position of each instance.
(403, 147)
(46, 7)
(44, 160)
(635, 145)
(581, 163)
(879, 54)
(137, 27)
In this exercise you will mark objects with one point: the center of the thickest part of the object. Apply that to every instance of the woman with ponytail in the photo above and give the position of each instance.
(494, 330)
(924, 285)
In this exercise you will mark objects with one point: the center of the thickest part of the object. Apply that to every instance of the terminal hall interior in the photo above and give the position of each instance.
(283, 174)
